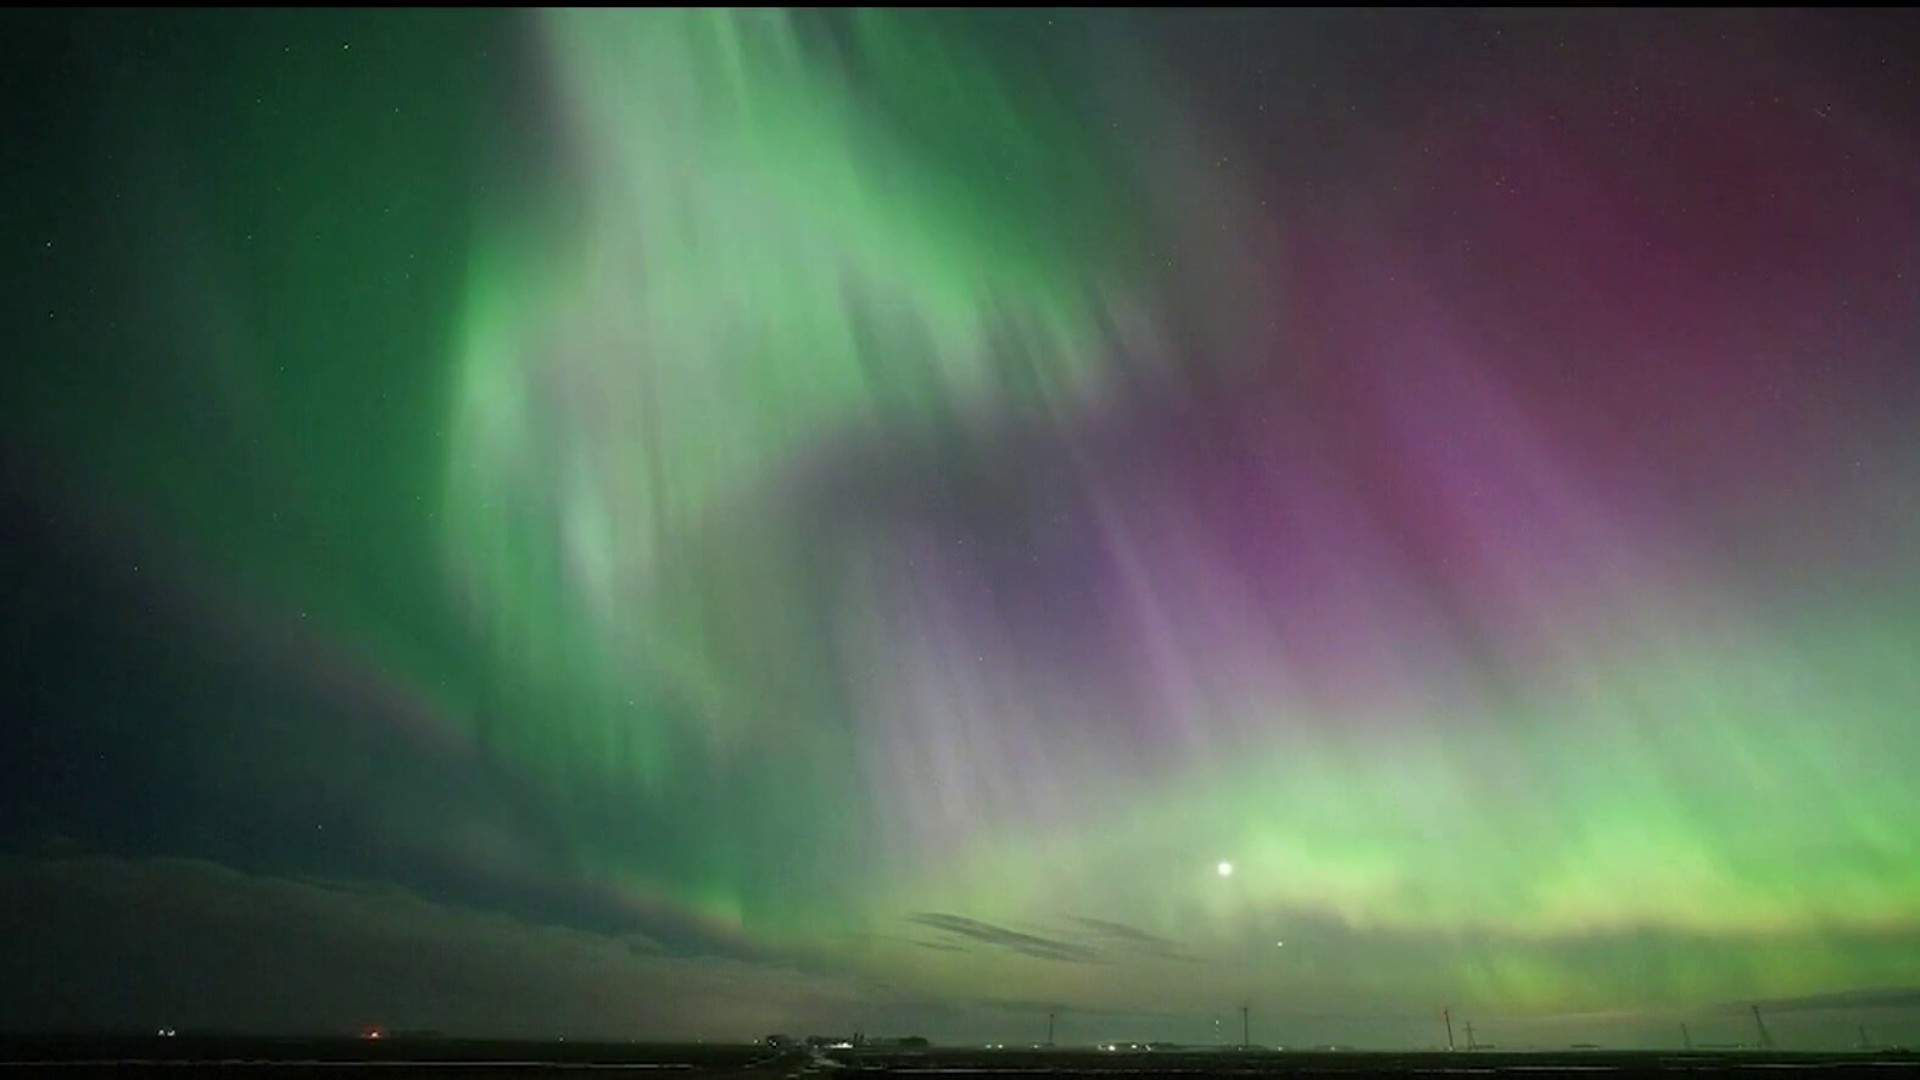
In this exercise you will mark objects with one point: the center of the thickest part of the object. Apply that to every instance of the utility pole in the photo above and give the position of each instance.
(1686, 1037)
(1247, 1040)
(1471, 1045)
(1446, 1014)
(1766, 1040)
(1049, 1028)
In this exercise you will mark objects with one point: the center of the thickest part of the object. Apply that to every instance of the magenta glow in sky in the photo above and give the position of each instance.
(929, 517)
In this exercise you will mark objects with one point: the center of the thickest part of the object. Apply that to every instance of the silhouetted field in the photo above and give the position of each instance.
(422, 1057)
(965, 1064)
(441, 1058)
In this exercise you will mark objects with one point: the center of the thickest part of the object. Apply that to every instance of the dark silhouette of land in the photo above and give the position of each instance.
(437, 1057)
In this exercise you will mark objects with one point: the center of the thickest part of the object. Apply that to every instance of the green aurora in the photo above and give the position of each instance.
(847, 490)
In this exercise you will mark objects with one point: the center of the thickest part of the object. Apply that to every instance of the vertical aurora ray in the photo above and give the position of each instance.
(1383, 673)
(1426, 648)
(767, 243)
(674, 524)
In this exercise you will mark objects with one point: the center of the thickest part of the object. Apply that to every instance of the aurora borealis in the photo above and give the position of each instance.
(689, 524)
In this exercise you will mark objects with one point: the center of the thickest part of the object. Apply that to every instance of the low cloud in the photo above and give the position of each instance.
(1012, 940)
(135, 944)
(1896, 997)
(1132, 939)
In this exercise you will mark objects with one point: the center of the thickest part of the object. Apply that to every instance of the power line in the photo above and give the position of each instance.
(1766, 1039)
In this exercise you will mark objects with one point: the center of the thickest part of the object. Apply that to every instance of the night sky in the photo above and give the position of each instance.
(694, 524)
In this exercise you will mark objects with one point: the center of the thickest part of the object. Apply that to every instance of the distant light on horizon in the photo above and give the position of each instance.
(1225, 869)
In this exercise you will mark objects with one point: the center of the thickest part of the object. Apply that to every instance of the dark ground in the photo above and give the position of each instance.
(442, 1058)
